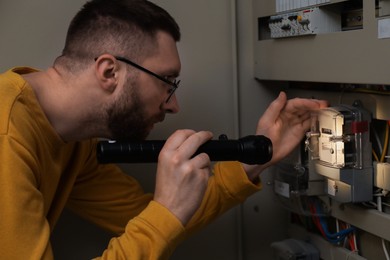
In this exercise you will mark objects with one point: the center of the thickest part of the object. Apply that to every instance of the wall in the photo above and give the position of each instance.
(263, 219)
(33, 33)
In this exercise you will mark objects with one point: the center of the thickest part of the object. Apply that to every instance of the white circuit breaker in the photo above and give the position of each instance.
(340, 148)
(304, 22)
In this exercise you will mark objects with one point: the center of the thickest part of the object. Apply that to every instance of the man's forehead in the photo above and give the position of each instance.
(166, 55)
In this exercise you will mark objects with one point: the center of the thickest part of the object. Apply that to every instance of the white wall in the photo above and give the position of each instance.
(33, 32)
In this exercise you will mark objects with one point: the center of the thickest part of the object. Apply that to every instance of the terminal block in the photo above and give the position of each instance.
(340, 150)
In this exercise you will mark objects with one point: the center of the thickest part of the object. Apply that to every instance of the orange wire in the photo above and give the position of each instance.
(386, 144)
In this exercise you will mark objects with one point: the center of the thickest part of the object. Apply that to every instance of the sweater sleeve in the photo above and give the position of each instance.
(115, 201)
(25, 231)
(228, 187)
(154, 232)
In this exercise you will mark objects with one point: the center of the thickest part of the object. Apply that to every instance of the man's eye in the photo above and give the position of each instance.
(170, 78)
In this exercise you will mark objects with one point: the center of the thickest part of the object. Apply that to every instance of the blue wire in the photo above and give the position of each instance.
(336, 237)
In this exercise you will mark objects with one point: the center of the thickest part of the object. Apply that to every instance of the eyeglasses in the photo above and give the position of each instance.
(174, 84)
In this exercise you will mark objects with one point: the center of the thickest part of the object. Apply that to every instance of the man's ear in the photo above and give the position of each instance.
(106, 68)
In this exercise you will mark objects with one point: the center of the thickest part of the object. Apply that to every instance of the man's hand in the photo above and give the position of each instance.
(285, 122)
(181, 180)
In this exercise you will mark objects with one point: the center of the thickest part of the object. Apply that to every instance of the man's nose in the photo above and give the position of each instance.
(172, 106)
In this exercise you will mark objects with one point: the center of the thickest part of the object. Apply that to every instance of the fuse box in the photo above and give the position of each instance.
(340, 148)
(304, 22)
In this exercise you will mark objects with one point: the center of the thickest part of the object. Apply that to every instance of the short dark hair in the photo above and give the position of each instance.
(119, 27)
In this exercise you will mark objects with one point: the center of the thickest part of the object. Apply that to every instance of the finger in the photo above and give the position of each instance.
(202, 160)
(177, 138)
(302, 105)
(193, 142)
(274, 109)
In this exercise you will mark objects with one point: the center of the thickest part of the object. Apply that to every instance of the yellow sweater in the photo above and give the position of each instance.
(40, 175)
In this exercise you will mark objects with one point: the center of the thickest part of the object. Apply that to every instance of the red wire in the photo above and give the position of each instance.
(316, 220)
(351, 242)
(350, 237)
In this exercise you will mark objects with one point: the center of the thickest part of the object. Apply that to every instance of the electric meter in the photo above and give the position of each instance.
(340, 149)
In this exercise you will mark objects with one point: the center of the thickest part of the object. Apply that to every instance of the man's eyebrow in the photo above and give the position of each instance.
(173, 73)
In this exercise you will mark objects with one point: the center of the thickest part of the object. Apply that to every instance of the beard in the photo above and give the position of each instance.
(127, 119)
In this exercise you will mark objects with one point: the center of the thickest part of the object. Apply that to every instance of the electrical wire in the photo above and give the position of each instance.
(350, 239)
(376, 158)
(379, 204)
(386, 144)
(335, 237)
(370, 91)
(316, 220)
(320, 222)
(375, 137)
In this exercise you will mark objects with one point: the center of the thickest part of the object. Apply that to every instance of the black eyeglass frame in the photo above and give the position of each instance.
(174, 85)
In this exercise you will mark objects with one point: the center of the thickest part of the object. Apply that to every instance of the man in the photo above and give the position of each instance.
(115, 79)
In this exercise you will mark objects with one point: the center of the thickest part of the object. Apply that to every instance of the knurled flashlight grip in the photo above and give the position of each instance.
(252, 149)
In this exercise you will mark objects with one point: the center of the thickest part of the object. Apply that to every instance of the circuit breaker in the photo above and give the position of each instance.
(304, 22)
(340, 148)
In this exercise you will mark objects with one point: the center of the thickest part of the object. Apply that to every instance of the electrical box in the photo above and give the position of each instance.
(296, 185)
(340, 148)
(287, 5)
(304, 22)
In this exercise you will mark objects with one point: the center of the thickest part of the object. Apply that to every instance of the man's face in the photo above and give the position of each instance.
(127, 119)
(143, 100)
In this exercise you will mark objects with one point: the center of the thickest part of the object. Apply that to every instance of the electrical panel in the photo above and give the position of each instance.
(346, 215)
(287, 5)
(340, 148)
(295, 184)
(304, 22)
(339, 163)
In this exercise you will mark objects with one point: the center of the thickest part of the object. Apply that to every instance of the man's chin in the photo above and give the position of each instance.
(130, 137)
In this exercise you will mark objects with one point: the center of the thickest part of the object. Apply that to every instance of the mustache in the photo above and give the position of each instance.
(160, 117)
